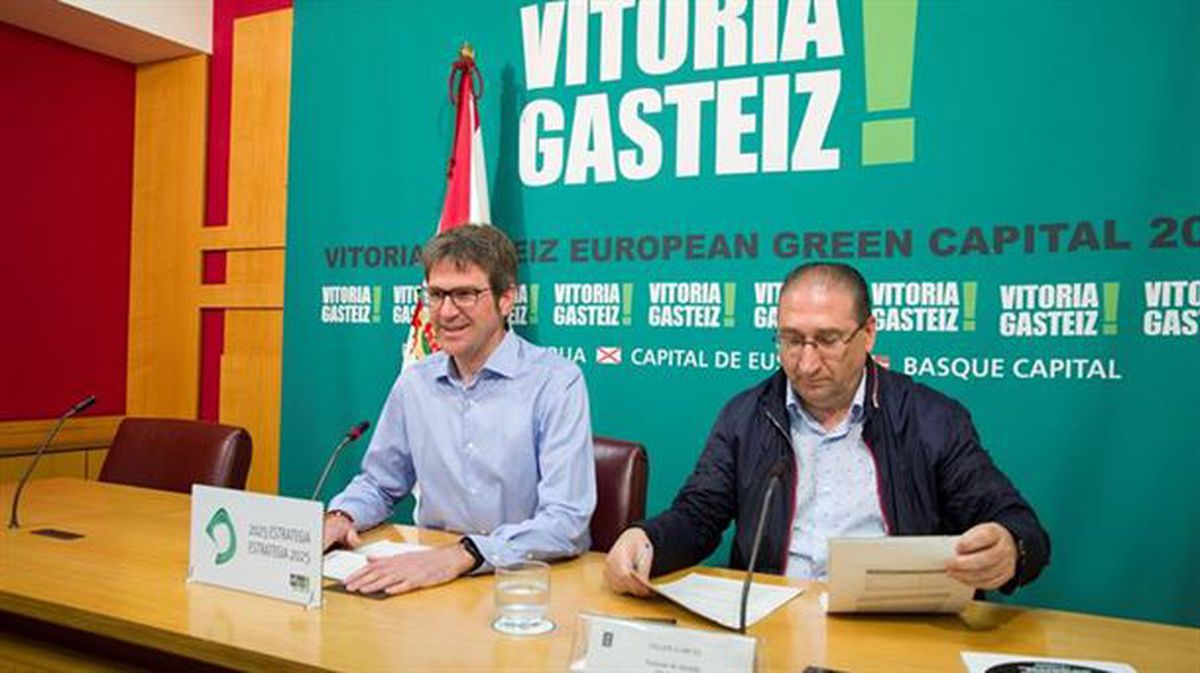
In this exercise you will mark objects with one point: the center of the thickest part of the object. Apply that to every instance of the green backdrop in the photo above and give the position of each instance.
(1022, 180)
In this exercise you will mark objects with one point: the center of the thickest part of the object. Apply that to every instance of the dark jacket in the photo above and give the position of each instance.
(933, 476)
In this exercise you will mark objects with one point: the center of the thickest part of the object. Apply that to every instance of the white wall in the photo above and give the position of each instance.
(188, 22)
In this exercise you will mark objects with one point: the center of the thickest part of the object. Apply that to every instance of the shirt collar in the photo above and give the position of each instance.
(503, 361)
(792, 402)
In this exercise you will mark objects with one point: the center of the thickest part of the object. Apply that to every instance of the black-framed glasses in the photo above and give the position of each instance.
(825, 343)
(462, 297)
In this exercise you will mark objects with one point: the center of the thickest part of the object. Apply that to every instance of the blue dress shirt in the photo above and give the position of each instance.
(837, 494)
(507, 459)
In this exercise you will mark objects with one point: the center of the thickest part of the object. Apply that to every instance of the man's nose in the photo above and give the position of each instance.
(808, 362)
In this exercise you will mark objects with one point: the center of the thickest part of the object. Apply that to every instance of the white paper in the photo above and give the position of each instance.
(982, 662)
(618, 645)
(894, 574)
(720, 599)
(341, 563)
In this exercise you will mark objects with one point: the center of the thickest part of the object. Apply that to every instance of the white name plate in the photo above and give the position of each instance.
(264, 544)
(610, 645)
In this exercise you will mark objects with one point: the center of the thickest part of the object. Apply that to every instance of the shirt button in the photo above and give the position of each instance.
(470, 445)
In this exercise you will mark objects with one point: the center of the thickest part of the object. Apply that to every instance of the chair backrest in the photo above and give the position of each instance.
(172, 454)
(621, 472)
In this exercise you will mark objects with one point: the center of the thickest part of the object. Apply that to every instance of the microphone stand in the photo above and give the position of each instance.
(83, 404)
(776, 473)
(351, 436)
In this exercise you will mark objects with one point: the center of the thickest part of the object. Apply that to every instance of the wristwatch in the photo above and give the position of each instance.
(469, 544)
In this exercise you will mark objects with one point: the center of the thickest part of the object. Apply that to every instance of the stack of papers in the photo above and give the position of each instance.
(341, 563)
(893, 574)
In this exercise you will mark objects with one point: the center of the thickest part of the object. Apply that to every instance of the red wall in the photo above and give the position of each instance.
(66, 175)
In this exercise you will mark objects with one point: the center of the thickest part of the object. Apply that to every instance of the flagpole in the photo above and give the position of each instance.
(466, 199)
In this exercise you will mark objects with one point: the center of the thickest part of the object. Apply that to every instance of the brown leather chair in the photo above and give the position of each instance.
(172, 454)
(621, 472)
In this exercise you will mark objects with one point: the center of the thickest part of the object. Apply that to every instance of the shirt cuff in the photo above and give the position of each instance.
(345, 513)
(495, 553)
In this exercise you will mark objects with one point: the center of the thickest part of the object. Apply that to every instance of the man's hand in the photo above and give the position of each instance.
(340, 530)
(627, 567)
(405, 572)
(986, 557)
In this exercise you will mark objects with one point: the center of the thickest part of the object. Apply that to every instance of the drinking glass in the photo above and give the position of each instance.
(522, 594)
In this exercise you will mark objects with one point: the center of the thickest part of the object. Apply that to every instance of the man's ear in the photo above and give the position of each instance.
(504, 302)
(869, 331)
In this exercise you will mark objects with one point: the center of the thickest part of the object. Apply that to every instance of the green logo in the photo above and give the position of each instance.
(221, 518)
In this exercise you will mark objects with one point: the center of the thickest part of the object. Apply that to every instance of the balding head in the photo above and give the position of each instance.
(833, 276)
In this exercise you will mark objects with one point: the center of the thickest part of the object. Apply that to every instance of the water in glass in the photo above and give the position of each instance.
(522, 594)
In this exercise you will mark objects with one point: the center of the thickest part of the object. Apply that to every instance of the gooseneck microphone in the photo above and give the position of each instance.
(78, 407)
(351, 435)
(777, 472)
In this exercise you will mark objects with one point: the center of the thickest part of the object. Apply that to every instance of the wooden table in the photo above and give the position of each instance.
(125, 581)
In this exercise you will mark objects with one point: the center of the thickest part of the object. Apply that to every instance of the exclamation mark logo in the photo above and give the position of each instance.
(889, 36)
(730, 299)
(533, 303)
(1112, 296)
(626, 303)
(376, 302)
(969, 294)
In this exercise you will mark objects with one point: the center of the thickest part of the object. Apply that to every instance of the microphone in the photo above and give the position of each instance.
(76, 408)
(777, 472)
(351, 435)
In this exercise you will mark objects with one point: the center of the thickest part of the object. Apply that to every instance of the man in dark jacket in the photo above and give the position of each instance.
(861, 451)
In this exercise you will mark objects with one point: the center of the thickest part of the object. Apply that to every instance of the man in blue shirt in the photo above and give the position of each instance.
(862, 452)
(496, 431)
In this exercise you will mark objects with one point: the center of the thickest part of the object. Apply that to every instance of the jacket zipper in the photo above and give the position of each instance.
(887, 524)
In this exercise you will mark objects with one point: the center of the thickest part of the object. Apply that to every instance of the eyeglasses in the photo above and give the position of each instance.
(461, 297)
(826, 344)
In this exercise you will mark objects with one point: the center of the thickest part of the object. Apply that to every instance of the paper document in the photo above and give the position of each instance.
(893, 574)
(341, 563)
(986, 662)
(720, 600)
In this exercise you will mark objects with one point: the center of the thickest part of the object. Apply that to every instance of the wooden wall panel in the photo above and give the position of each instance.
(254, 279)
(20, 437)
(69, 464)
(78, 450)
(94, 461)
(169, 239)
(168, 211)
(257, 267)
(258, 149)
(254, 236)
(251, 376)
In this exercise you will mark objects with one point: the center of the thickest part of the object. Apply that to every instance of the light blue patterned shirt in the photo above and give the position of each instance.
(507, 459)
(836, 490)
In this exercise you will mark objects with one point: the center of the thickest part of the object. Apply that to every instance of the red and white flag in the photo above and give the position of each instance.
(466, 186)
(608, 355)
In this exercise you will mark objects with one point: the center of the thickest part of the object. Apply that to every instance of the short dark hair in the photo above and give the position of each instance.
(483, 245)
(835, 273)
